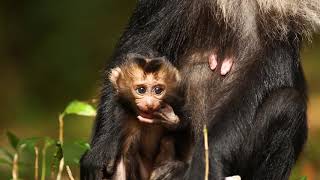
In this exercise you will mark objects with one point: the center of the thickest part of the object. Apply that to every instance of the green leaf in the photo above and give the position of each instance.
(73, 152)
(29, 143)
(304, 178)
(83, 144)
(5, 161)
(49, 142)
(80, 108)
(5, 157)
(13, 140)
(6, 154)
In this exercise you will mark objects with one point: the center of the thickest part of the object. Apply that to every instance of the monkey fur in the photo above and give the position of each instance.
(256, 114)
(143, 85)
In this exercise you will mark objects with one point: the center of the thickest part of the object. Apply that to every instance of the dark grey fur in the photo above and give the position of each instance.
(256, 115)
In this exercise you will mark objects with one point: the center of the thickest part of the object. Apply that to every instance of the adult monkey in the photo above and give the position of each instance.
(256, 115)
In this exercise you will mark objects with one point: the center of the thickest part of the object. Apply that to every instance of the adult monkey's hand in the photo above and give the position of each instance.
(226, 66)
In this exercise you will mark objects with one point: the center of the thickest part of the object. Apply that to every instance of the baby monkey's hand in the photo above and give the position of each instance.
(165, 115)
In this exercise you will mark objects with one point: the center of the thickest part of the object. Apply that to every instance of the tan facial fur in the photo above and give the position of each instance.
(145, 89)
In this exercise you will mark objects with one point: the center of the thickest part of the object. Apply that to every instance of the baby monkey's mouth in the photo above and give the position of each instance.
(146, 114)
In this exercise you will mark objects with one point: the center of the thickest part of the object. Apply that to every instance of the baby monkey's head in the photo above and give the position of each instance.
(145, 82)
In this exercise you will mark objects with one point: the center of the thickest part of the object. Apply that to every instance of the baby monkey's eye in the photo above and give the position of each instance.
(141, 90)
(158, 90)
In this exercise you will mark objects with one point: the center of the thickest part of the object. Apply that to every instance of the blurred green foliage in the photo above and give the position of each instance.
(66, 153)
(54, 51)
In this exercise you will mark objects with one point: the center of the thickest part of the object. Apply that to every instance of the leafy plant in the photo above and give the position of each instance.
(65, 154)
(80, 108)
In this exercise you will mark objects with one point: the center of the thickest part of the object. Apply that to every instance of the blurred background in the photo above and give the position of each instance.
(52, 52)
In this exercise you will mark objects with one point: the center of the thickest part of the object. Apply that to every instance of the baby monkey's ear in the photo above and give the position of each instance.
(114, 77)
(177, 75)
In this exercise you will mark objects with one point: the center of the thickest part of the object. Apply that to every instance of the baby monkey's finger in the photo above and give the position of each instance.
(146, 120)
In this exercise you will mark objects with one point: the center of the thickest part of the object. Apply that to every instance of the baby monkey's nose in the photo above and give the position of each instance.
(152, 104)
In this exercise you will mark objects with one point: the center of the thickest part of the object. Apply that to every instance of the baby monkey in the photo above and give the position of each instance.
(144, 88)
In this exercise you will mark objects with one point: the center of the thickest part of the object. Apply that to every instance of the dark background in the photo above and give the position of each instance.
(52, 52)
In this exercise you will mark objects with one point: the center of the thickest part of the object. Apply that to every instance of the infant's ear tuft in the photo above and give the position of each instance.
(114, 76)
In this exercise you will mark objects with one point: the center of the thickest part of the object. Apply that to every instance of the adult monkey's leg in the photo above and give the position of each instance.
(267, 151)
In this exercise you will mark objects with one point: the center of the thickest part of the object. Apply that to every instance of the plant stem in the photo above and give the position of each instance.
(43, 167)
(61, 128)
(61, 165)
(206, 148)
(36, 163)
(69, 173)
(15, 167)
